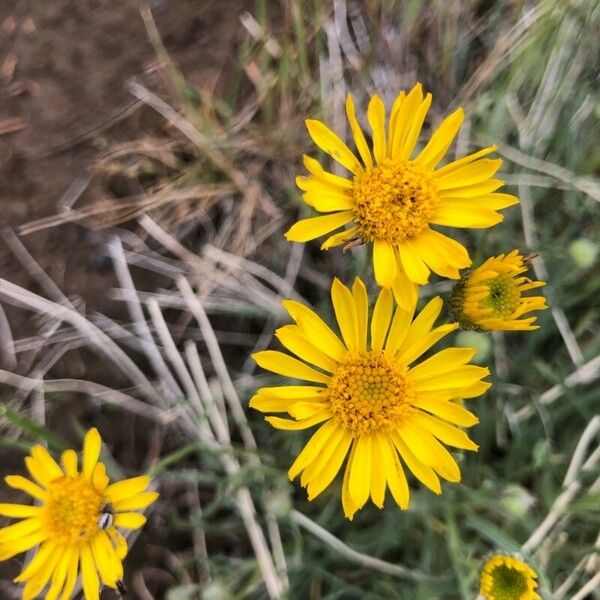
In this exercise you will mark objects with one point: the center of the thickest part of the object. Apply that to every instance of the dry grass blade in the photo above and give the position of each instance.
(19, 296)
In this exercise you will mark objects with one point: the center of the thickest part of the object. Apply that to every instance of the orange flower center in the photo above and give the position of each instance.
(71, 510)
(394, 201)
(369, 393)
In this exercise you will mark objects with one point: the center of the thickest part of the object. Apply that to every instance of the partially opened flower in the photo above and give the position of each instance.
(393, 195)
(491, 297)
(506, 577)
(373, 404)
(74, 524)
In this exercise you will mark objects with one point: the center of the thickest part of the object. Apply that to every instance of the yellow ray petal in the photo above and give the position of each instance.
(398, 330)
(20, 530)
(91, 452)
(325, 476)
(475, 172)
(100, 478)
(459, 377)
(449, 411)
(292, 338)
(434, 259)
(380, 322)
(106, 561)
(43, 458)
(69, 462)
(316, 329)
(40, 579)
(413, 351)
(395, 114)
(314, 227)
(345, 313)
(138, 502)
(494, 201)
(282, 364)
(450, 435)
(130, 520)
(405, 291)
(290, 425)
(314, 167)
(452, 215)
(127, 488)
(416, 270)
(465, 160)
(330, 143)
(18, 482)
(384, 263)
(71, 578)
(322, 458)
(292, 392)
(456, 254)
(394, 473)
(41, 556)
(376, 118)
(60, 573)
(347, 502)
(329, 201)
(404, 118)
(312, 448)
(89, 575)
(361, 304)
(424, 473)
(10, 548)
(357, 133)
(440, 141)
(19, 511)
(442, 362)
(359, 483)
(474, 191)
(415, 128)
(378, 470)
(430, 451)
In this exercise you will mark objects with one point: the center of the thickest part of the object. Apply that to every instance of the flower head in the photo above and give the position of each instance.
(505, 577)
(394, 196)
(490, 297)
(74, 524)
(371, 401)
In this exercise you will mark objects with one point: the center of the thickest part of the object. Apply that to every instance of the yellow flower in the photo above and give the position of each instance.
(507, 578)
(371, 401)
(490, 297)
(392, 199)
(74, 523)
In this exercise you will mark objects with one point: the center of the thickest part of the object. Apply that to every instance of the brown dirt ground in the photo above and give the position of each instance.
(63, 69)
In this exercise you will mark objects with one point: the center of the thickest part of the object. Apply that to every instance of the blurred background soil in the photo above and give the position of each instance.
(63, 103)
(63, 70)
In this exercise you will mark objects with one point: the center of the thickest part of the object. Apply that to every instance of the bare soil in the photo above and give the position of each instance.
(63, 69)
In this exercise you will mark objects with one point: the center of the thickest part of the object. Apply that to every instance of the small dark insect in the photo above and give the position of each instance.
(530, 257)
(353, 243)
(107, 517)
(121, 588)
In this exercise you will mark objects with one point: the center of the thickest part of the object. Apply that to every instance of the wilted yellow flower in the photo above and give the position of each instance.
(371, 401)
(505, 577)
(491, 296)
(74, 523)
(391, 199)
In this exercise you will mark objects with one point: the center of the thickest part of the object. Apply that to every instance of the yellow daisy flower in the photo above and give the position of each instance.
(506, 577)
(392, 199)
(372, 402)
(74, 523)
(491, 296)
